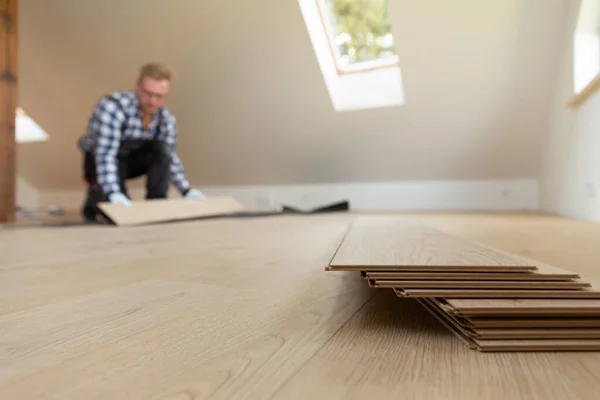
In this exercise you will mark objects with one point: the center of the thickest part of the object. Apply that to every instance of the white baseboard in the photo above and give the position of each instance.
(506, 195)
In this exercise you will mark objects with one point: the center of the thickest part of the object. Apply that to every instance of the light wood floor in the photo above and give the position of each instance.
(243, 309)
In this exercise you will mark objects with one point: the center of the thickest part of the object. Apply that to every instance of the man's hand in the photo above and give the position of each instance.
(195, 194)
(119, 198)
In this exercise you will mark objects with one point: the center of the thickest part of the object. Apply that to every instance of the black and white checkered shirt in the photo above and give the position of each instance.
(115, 118)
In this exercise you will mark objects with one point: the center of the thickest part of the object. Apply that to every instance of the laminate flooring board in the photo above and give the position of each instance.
(512, 333)
(537, 333)
(510, 345)
(230, 308)
(543, 274)
(499, 293)
(226, 333)
(517, 322)
(50, 335)
(520, 307)
(479, 284)
(395, 349)
(532, 322)
(168, 210)
(389, 243)
(538, 345)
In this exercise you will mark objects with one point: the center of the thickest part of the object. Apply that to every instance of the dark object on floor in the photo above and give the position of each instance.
(334, 207)
(90, 211)
(57, 224)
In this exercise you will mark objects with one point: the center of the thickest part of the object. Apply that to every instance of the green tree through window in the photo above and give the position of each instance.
(361, 28)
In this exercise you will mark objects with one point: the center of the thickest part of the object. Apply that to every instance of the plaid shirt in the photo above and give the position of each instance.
(105, 132)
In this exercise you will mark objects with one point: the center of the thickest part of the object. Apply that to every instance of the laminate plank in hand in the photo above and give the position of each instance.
(168, 210)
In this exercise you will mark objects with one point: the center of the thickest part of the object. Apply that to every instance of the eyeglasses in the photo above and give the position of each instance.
(149, 93)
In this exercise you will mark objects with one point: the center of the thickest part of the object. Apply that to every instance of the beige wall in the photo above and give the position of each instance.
(252, 105)
(571, 180)
(28, 197)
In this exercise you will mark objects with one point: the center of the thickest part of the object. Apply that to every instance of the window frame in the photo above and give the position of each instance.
(359, 68)
(582, 94)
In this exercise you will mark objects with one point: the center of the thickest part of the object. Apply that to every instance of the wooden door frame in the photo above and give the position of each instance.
(8, 99)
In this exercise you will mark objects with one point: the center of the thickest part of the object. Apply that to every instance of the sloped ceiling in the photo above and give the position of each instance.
(252, 105)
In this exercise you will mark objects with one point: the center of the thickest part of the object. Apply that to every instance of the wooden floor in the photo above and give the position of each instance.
(243, 309)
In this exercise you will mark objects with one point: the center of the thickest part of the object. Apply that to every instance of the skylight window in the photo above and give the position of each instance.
(587, 44)
(355, 50)
(359, 33)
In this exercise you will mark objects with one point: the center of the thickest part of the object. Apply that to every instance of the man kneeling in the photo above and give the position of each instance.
(131, 134)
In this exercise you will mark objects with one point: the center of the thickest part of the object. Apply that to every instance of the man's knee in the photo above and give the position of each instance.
(158, 171)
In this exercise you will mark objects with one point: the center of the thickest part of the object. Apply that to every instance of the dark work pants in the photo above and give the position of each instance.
(151, 159)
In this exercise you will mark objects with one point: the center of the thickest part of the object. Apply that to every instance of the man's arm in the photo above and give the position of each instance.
(176, 168)
(106, 124)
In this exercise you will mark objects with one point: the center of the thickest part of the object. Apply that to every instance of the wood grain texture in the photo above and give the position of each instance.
(168, 210)
(8, 97)
(392, 243)
(391, 350)
(242, 309)
(174, 309)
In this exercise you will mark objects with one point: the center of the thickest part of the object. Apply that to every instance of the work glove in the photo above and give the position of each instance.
(119, 198)
(194, 194)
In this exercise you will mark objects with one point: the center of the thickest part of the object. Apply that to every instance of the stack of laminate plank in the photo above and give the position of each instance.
(491, 299)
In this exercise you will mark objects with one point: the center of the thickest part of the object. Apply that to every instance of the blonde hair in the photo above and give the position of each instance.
(155, 71)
